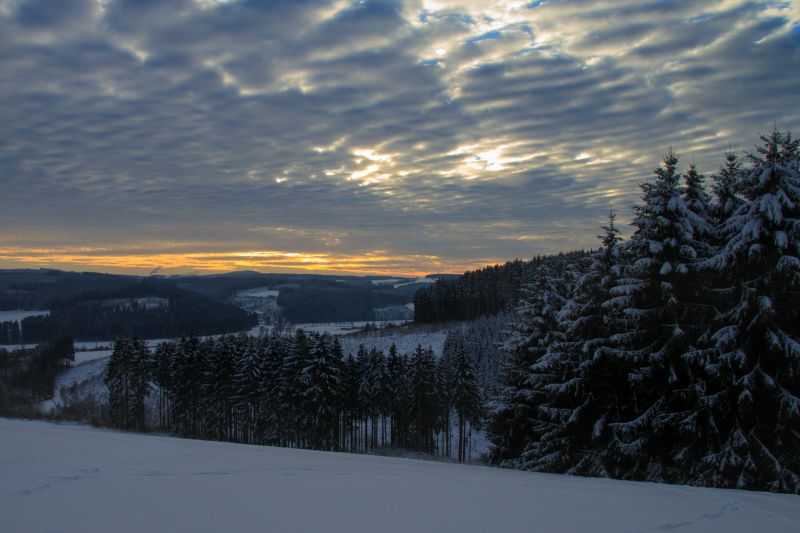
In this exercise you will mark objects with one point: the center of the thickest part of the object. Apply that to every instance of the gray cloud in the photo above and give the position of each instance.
(470, 131)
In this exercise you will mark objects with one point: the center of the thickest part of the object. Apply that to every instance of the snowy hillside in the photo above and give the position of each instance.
(82, 381)
(76, 479)
(406, 341)
(17, 315)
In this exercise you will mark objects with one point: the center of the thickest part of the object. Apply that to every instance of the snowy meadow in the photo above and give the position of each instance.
(94, 481)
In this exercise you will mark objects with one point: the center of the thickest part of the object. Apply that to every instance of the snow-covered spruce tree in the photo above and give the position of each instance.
(582, 384)
(187, 381)
(656, 294)
(759, 335)
(219, 369)
(128, 381)
(550, 370)
(248, 387)
(483, 340)
(726, 188)
(273, 369)
(117, 380)
(699, 210)
(466, 398)
(349, 401)
(295, 359)
(140, 383)
(398, 395)
(377, 395)
(321, 394)
(512, 426)
(160, 371)
(423, 404)
(445, 375)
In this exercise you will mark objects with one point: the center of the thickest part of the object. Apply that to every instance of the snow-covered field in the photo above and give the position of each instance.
(87, 376)
(76, 479)
(405, 341)
(412, 282)
(259, 292)
(83, 357)
(18, 315)
(342, 328)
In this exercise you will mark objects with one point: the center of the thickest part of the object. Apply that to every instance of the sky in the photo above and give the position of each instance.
(390, 137)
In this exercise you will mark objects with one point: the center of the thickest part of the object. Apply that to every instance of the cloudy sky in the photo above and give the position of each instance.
(403, 137)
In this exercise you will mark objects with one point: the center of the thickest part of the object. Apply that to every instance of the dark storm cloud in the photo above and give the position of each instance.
(469, 131)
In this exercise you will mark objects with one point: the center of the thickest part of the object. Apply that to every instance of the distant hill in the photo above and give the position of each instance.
(90, 305)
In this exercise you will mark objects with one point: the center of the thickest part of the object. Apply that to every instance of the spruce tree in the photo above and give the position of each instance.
(466, 398)
(656, 291)
(161, 364)
(758, 337)
(577, 377)
(140, 383)
(117, 380)
(726, 187)
(321, 395)
(512, 425)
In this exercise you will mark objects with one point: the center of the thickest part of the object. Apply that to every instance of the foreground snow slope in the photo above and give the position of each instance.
(76, 479)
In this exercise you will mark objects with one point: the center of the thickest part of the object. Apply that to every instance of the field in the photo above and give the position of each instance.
(75, 479)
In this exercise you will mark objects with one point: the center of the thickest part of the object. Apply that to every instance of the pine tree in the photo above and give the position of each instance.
(512, 423)
(397, 372)
(445, 383)
(727, 187)
(187, 379)
(275, 347)
(758, 338)
(248, 386)
(294, 361)
(162, 362)
(466, 398)
(656, 292)
(422, 378)
(218, 389)
(140, 383)
(349, 398)
(575, 375)
(321, 395)
(117, 380)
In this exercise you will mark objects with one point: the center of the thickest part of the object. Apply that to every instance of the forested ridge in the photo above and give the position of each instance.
(674, 356)
(486, 291)
(103, 314)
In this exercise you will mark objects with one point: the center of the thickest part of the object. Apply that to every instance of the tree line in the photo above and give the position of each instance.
(296, 390)
(674, 356)
(487, 291)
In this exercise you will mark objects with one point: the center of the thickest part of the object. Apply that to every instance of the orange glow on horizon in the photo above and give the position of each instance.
(141, 261)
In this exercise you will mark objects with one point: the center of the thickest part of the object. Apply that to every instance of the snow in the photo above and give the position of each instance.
(406, 342)
(92, 355)
(342, 328)
(390, 281)
(17, 315)
(418, 280)
(260, 292)
(88, 376)
(76, 479)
